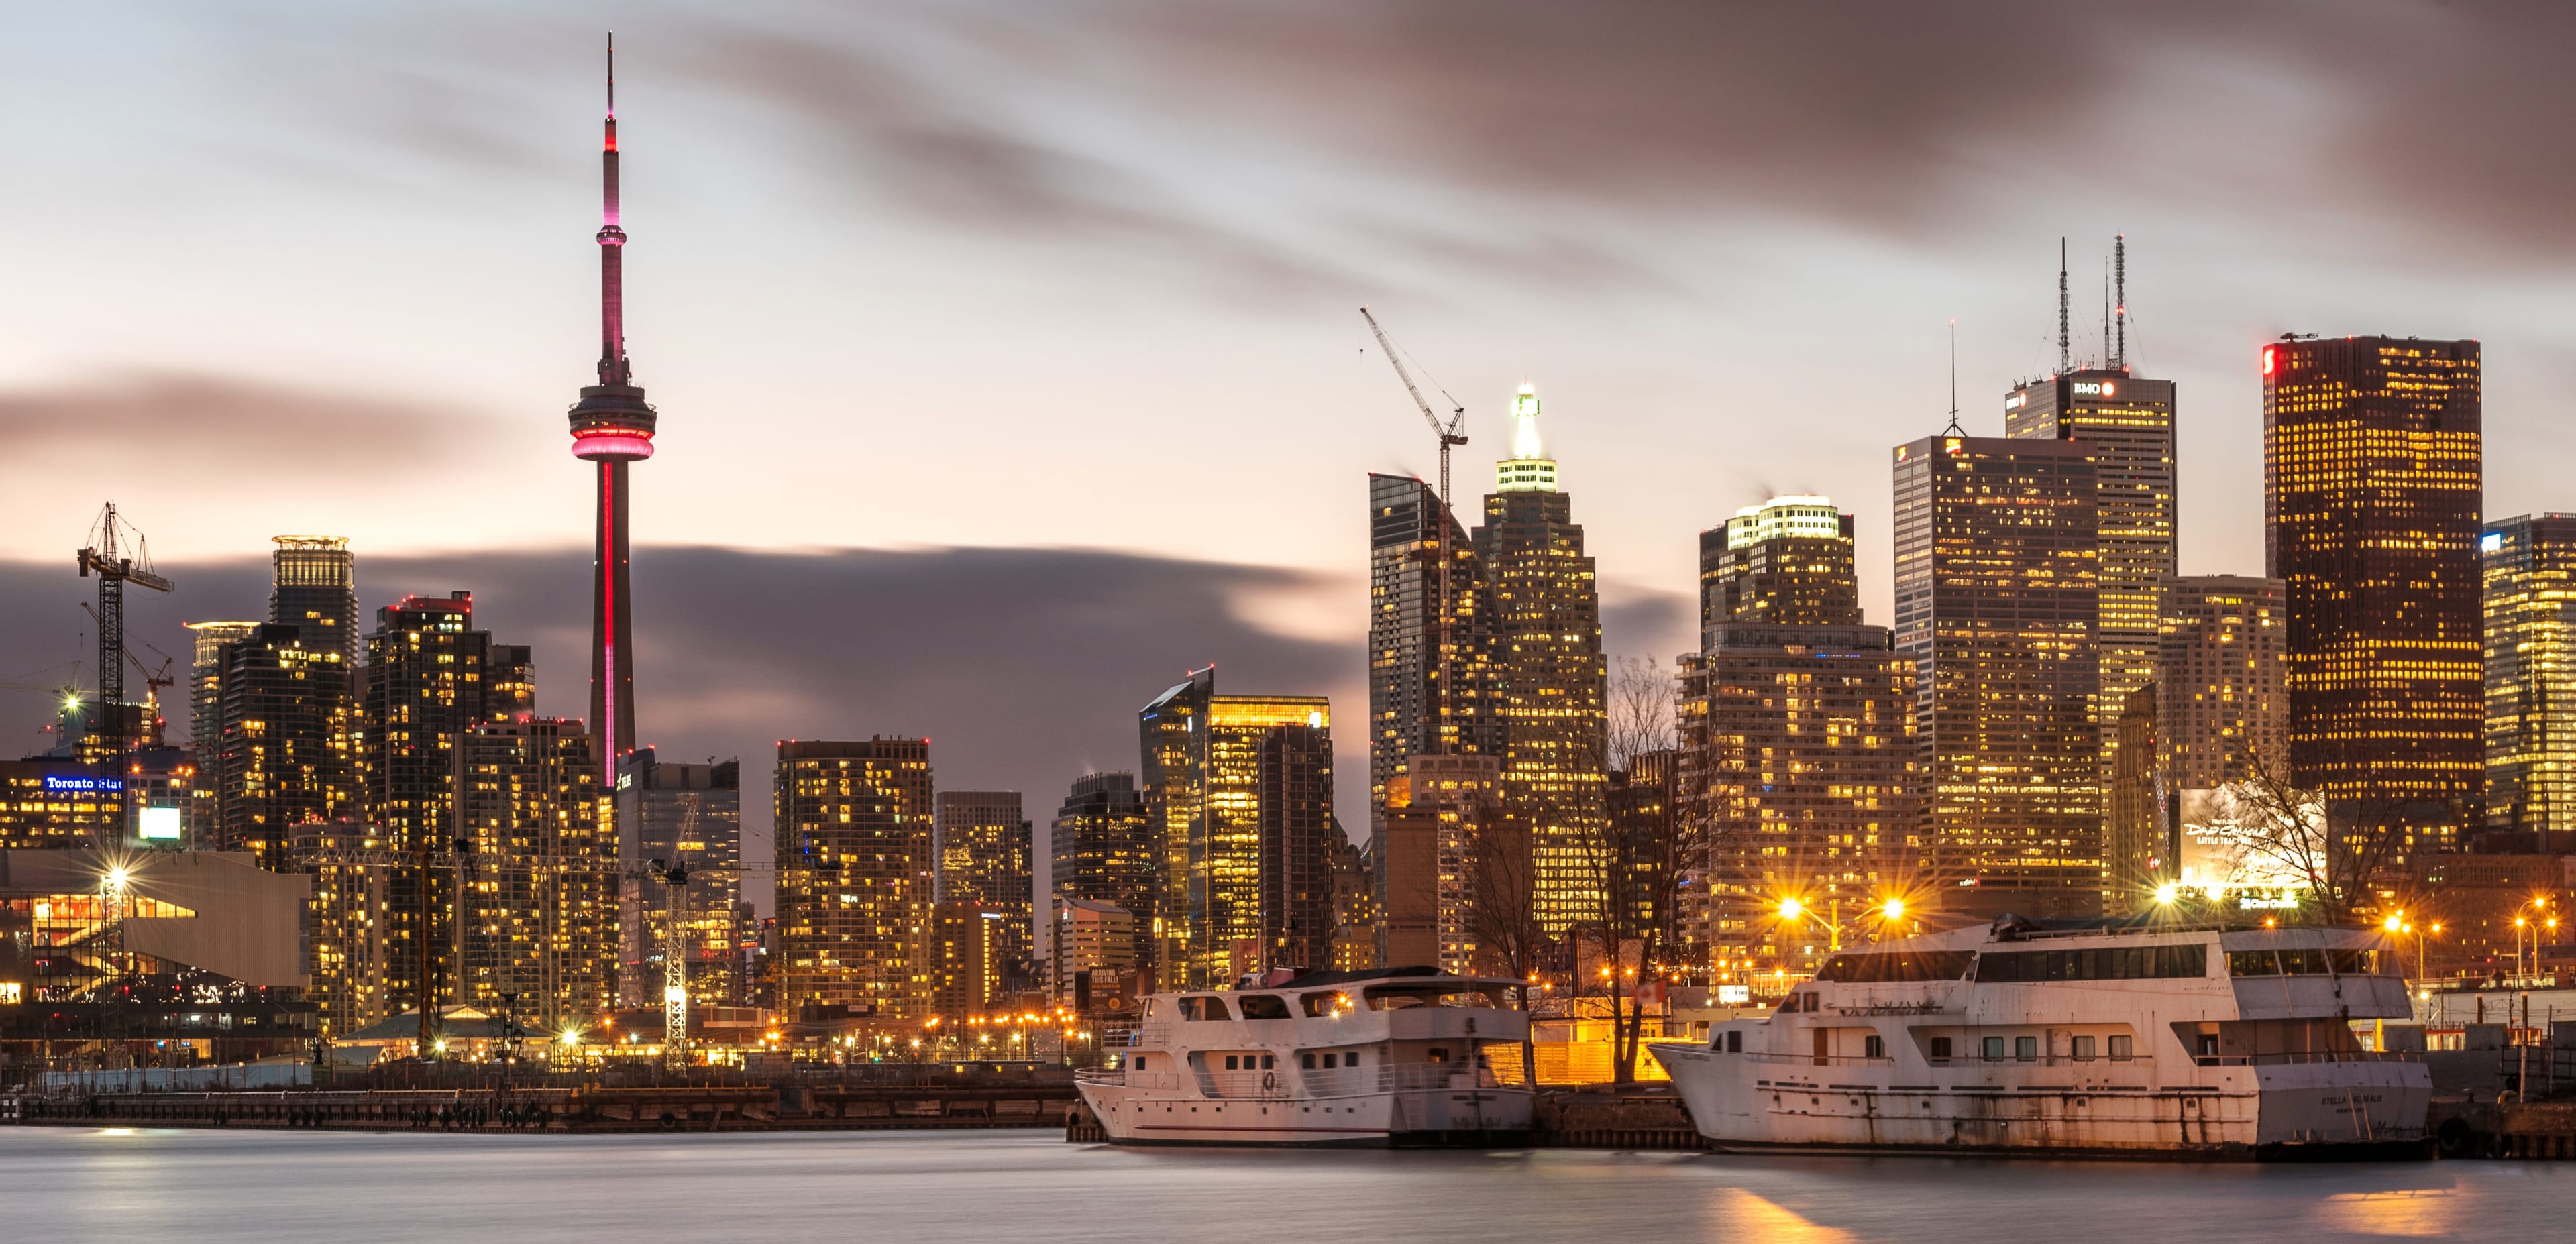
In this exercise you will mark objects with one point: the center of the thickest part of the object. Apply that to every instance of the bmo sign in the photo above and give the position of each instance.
(2096, 388)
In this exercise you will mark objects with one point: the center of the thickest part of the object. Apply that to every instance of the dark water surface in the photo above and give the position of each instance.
(64, 1185)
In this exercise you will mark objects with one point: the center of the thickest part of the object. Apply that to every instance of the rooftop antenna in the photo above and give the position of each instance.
(2120, 286)
(1954, 381)
(2062, 357)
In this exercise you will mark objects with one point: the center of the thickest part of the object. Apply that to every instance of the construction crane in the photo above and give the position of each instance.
(153, 680)
(117, 554)
(1451, 434)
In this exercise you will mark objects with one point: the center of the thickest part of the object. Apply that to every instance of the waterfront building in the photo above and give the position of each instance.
(284, 740)
(1092, 945)
(1234, 784)
(350, 948)
(1787, 561)
(1103, 851)
(985, 847)
(313, 585)
(2371, 492)
(2127, 422)
(1551, 679)
(538, 931)
(2223, 702)
(687, 814)
(204, 934)
(2530, 642)
(1431, 676)
(855, 870)
(57, 804)
(425, 685)
(1996, 545)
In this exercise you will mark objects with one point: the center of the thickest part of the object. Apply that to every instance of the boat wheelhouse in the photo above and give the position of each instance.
(1397, 1056)
(2115, 1040)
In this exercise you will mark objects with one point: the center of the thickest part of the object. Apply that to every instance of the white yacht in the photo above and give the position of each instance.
(1398, 1056)
(2129, 1041)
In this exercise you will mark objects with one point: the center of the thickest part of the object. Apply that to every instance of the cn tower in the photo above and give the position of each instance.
(612, 426)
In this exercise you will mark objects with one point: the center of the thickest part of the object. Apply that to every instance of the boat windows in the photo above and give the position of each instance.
(1897, 967)
(1137, 1063)
(2082, 1049)
(1205, 1008)
(1873, 1046)
(2114, 963)
(1403, 997)
(2303, 963)
(1263, 1006)
(2026, 1049)
(1438, 1055)
(2253, 963)
(2361, 963)
(1326, 1003)
(1735, 1042)
(2309, 963)
(2121, 1047)
(1940, 1047)
(1993, 1049)
(1307, 1061)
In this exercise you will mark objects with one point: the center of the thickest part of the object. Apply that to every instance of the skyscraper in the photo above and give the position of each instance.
(1552, 679)
(425, 687)
(2530, 565)
(1234, 783)
(285, 740)
(2371, 489)
(1451, 867)
(1799, 760)
(1413, 656)
(853, 832)
(689, 814)
(205, 712)
(612, 426)
(1103, 851)
(313, 584)
(2137, 843)
(2222, 702)
(539, 925)
(984, 848)
(1787, 561)
(1996, 545)
(2128, 423)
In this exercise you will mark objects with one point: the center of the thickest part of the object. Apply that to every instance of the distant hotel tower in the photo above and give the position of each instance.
(1996, 545)
(2129, 425)
(1798, 747)
(2370, 499)
(1552, 680)
(612, 426)
(1240, 788)
(2531, 676)
(853, 836)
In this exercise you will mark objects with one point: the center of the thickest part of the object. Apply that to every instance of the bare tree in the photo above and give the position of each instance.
(1501, 881)
(1626, 846)
(2276, 829)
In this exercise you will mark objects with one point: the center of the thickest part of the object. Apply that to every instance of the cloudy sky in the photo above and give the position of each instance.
(1008, 354)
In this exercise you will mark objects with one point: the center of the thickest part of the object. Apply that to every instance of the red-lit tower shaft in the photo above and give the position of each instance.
(612, 426)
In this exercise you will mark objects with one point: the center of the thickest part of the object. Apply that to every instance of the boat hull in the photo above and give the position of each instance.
(1412, 1118)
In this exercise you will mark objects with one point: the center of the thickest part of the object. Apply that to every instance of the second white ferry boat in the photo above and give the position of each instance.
(1396, 1056)
(2108, 1040)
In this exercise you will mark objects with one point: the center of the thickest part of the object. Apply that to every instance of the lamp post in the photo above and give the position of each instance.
(1794, 910)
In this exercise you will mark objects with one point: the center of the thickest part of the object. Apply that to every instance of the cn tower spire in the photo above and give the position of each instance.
(612, 242)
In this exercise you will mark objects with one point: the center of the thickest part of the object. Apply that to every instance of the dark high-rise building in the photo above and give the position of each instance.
(2371, 489)
(313, 585)
(1785, 562)
(538, 931)
(2128, 425)
(1103, 851)
(2222, 706)
(985, 849)
(2137, 848)
(1996, 546)
(855, 870)
(1645, 822)
(612, 427)
(285, 741)
(205, 716)
(425, 685)
(1225, 775)
(1551, 677)
(689, 814)
(1412, 656)
(2530, 565)
(1298, 832)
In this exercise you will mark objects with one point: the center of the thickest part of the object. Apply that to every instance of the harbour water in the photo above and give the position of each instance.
(63, 1185)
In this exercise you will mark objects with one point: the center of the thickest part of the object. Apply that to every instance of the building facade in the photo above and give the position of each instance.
(2137, 844)
(1431, 678)
(986, 851)
(691, 815)
(538, 935)
(1103, 851)
(285, 740)
(2530, 602)
(1785, 562)
(1551, 677)
(313, 584)
(2223, 704)
(855, 871)
(1996, 545)
(2128, 422)
(2371, 491)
